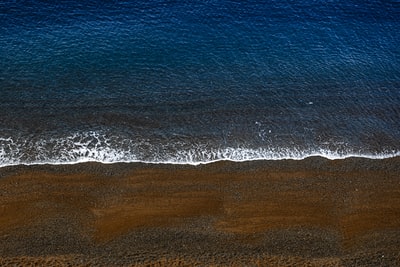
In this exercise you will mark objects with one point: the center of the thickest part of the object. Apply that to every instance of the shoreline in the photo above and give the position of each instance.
(243, 158)
(313, 211)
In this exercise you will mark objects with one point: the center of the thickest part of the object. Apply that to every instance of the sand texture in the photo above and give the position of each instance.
(313, 212)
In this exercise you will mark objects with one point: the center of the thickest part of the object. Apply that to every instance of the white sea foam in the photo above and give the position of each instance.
(98, 147)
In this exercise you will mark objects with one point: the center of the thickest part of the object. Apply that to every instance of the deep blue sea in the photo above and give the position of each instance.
(198, 81)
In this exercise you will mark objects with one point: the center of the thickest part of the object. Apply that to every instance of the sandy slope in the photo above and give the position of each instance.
(314, 211)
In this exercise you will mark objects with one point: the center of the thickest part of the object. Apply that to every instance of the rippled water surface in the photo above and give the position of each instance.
(198, 81)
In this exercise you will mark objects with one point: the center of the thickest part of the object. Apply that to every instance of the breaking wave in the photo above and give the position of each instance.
(97, 147)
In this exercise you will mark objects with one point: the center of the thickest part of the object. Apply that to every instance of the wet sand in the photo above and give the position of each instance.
(314, 212)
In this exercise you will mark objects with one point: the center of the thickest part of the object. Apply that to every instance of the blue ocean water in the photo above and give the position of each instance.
(198, 81)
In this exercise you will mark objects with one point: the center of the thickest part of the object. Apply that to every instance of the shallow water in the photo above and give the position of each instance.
(198, 81)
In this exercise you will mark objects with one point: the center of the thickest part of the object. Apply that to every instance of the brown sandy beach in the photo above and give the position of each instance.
(314, 212)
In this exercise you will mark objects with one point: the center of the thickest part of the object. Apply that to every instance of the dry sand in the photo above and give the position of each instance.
(313, 212)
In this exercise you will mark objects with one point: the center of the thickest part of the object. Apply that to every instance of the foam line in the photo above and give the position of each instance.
(196, 163)
(95, 147)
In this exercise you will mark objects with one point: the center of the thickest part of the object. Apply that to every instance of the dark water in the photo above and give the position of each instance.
(196, 81)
